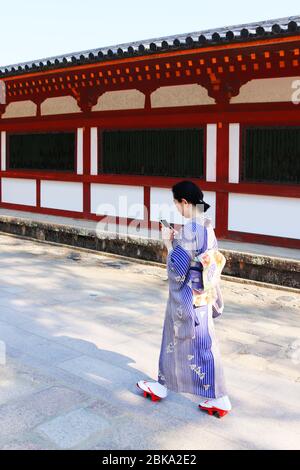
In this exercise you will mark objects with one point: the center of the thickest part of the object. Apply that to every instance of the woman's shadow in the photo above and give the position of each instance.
(113, 377)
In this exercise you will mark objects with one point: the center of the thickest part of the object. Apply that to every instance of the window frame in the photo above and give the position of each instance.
(101, 130)
(41, 170)
(242, 156)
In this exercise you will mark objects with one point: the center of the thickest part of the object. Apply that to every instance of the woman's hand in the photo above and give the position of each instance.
(168, 235)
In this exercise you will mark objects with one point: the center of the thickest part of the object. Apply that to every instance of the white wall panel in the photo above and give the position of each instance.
(118, 200)
(63, 195)
(211, 152)
(234, 152)
(266, 215)
(19, 191)
(3, 150)
(80, 151)
(94, 151)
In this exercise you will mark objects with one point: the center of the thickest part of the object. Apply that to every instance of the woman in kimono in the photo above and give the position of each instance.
(189, 358)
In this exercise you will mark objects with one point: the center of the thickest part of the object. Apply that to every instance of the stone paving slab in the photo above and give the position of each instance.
(80, 330)
(70, 429)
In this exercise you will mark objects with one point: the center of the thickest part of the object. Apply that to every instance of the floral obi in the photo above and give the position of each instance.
(205, 274)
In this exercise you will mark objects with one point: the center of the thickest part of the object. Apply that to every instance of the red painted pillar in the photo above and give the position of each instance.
(221, 229)
(38, 193)
(86, 171)
(146, 221)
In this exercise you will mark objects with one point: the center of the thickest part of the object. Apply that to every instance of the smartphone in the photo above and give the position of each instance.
(165, 223)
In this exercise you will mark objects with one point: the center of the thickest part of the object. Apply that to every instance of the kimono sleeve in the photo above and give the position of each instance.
(181, 254)
(218, 305)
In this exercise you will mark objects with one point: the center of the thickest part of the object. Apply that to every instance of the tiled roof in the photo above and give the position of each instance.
(231, 34)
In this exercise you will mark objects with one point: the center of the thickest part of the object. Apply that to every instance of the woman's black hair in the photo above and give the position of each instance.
(191, 192)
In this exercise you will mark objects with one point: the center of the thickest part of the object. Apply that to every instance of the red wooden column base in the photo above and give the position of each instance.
(221, 229)
(146, 221)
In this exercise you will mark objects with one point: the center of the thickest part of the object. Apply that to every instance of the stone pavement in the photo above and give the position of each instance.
(79, 330)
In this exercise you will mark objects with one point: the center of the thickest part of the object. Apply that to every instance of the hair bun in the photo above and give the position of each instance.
(205, 205)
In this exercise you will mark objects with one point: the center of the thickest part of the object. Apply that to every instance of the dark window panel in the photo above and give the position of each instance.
(149, 152)
(271, 154)
(53, 151)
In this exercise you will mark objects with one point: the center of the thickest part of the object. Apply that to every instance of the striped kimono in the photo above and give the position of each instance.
(189, 358)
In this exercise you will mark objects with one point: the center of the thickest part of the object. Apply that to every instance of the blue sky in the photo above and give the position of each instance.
(33, 29)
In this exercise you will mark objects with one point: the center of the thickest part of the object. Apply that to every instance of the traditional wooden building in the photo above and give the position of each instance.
(220, 107)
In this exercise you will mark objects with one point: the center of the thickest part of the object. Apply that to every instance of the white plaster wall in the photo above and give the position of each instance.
(59, 105)
(80, 151)
(19, 191)
(262, 90)
(94, 151)
(3, 150)
(63, 195)
(234, 152)
(117, 200)
(211, 152)
(266, 215)
(180, 95)
(20, 109)
(120, 99)
(163, 207)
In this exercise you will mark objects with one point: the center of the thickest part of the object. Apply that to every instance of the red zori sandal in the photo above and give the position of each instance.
(218, 406)
(154, 389)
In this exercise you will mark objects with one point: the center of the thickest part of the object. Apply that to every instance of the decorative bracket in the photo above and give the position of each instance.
(223, 90)
(147, 92)
(86, 97)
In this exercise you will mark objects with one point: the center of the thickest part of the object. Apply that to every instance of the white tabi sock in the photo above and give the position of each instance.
(223, 403)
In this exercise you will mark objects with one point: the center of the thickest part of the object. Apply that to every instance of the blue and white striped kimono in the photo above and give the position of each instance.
(189, 358)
